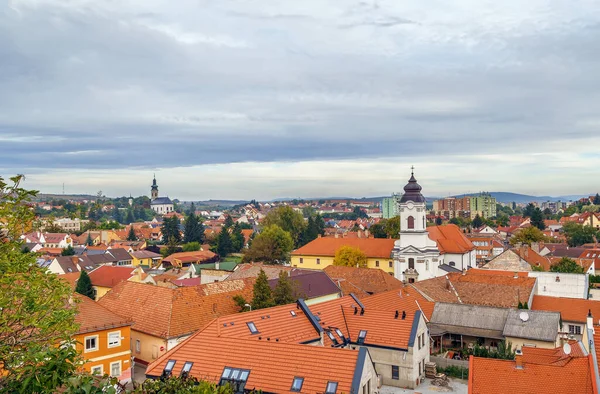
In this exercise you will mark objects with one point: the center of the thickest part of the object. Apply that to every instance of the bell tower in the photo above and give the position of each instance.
(412, 208)
(154, 190)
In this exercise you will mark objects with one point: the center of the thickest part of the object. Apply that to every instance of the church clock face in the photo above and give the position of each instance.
(410, 205)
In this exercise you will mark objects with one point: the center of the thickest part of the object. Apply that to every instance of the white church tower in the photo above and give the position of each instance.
(416, 256)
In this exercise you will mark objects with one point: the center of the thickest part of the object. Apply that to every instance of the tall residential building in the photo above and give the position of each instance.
(483, 205)
(389, 206)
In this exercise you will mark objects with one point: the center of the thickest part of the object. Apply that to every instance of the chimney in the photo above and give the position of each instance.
(464, 271)
(590, 320)
(447, 284)
(359, 234)
(217, 265)
(516, 275)
(519, 359)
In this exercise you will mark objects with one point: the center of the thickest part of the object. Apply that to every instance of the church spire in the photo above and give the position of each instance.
(154, 189)
(412, 190)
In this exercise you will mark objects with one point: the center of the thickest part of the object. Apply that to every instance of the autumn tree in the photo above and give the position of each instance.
(350, 256)
(35, 309)
(272, 246)
(263, 296)
(84, 285)
(284, 291)
(528, 236)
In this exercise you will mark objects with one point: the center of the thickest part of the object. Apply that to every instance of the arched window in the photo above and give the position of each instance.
(411, 222)
(452, 264)
(411, 263)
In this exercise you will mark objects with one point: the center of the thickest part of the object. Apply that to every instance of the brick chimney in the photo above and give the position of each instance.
(519, 359)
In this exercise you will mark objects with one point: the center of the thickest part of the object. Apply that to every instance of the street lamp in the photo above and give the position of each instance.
(248, 306)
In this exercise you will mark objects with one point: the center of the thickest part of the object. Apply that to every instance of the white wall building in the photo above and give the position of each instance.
(160, 205)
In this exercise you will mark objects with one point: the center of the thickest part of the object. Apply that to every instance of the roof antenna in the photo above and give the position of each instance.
(403, 315)
(362, 311)
(355, 310)
(396, 315)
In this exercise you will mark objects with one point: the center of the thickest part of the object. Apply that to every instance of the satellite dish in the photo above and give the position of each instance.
(566, 348)
(524, 316)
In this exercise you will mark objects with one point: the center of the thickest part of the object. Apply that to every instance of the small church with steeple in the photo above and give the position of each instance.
(423, 252)
(160, 205)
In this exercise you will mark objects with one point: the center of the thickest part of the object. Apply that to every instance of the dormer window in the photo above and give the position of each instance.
(252, 327)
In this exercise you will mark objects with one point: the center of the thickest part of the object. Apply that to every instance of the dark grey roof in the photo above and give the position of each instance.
(161, 200)
(471, 316)
(448, 268)
(67, 263)
(119, 253)
(539, 325)
(310, 285)
(412, 191)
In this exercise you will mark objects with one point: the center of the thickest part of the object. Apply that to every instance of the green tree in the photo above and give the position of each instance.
(314, 227)
(237, 238)
(272, 246)
(350, 256)
(131, 235)
(477, 221)
(172, 246)
(597, 199)
(170, 229)
(224, 243)
(194, 230)
(68, 251)
(289, 220)
(502, 220)
(438, 221)
(84, 285)
(283, 292)
(191, 247)
(378, 230)
(116, 215)
(89, 241)
(578, 234)
(537, 219)
(567, 265)
(392, 227)
(130, 216)
(228, 222)
(35, 312)
(529, 209)
(263, 296)
(527, 236)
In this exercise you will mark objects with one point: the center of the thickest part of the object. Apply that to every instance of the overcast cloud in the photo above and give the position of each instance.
(264, 99)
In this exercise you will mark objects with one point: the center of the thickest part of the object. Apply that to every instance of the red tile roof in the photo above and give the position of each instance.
(362, 281)
(571, 309)
(93, 317)
(406, 299)
(450, 239)
(325, 246)
(71, 278)
(110, 276)
(169, 313)
(539, 375)
(177, 259)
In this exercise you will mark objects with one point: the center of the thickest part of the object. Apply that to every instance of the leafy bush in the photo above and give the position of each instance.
(455, 371)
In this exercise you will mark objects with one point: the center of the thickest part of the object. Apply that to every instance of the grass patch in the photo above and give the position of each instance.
(454, 371)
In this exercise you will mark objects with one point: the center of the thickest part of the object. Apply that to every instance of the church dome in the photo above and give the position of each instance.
(412, 191)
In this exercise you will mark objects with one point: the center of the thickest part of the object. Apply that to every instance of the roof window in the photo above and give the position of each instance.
(332, 337)
(252, 327)
(185, 371)
(236, 378)
(361, 336)
(331, 388)
(340, 334)
(297, 383)
(293, 313)
(168, 368)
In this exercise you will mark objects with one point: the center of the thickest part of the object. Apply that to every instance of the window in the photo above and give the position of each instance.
(419, 340)
(235, 377)
(420, 371)
(391, 264)
(252, 327)
(185, 371)
(395, 372)
(573, 329)
(427, 265)
(114, 339)
(115, 368)
(411, 222)
(97, 370)
(138, 345)
(331, 388)
(169, 368)
(339, 332)
(91, 343)
(411, 263)
(297, 384)
(452, 264)
(361, 336)
(318, 261)
(377, 263)
(293, 313)
(301, 260)
(332, 337)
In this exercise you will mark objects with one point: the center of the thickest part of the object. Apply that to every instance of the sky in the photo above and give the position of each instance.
(239, 99)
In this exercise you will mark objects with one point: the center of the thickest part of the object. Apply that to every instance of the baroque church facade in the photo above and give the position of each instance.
(160, 205)
(423, 252)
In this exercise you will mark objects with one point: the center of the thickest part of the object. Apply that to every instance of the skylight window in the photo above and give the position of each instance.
(169, 368)
(187, 367)
(297, 384)
(332, 337)
(331, 388)
(293, 313)
(252, 327)
(340, 334)
(361, 336)
(236, 378)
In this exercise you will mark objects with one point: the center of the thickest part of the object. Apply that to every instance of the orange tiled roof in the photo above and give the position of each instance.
(93, 317)
(406, 299)
(571, 309)
(176, 259)
(477, 288)
(109, 276)
(533, 258)
(325, 246)
(71, 277)
(576, 375)
(450, 239)
(362, 281)
(169, 313)
(272, 365)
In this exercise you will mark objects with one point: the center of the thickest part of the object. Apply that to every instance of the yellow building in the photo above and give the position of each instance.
(103, 340)
(319, 253)
(146, 258)
(106, 277)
